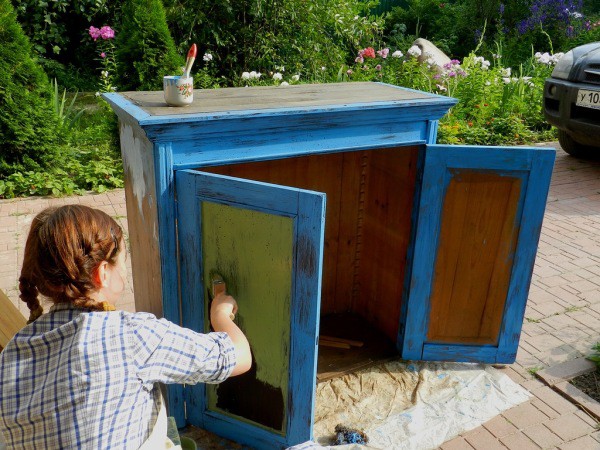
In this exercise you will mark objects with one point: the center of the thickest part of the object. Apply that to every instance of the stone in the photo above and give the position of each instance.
(430, 53)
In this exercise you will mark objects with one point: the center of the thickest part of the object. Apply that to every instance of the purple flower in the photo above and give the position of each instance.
(94, 32)
(107, 32)
(452, 74)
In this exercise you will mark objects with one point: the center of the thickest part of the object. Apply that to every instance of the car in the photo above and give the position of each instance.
(572, 100)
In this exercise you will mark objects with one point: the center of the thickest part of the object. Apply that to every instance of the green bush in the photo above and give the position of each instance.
(28, 125)
(88, 160)
(264, 36)
(58, 32)
(145, 49)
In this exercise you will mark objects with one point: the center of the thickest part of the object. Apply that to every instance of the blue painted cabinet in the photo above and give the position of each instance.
(422, 251)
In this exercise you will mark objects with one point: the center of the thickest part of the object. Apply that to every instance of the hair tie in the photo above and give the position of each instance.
(106, 306)
(35, 313)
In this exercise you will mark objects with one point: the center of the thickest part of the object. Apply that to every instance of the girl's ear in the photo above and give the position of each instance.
(100, 275)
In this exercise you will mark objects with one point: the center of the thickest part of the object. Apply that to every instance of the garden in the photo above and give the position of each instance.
(59, 137)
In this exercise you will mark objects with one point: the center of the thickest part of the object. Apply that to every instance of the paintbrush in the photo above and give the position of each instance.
(218, 286)
(189, 62)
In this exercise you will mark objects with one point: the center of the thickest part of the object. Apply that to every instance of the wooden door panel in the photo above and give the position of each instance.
(480, 211)
(267, 242)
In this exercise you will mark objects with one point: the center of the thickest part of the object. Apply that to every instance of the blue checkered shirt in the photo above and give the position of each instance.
(75, 379)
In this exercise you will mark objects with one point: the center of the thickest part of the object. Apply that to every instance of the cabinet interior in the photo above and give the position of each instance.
(370, 195)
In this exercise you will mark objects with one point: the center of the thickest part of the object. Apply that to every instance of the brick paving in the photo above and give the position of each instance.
(562, 319)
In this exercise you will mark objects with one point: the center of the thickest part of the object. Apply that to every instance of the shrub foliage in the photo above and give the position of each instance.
(145, 49)
(28, 125)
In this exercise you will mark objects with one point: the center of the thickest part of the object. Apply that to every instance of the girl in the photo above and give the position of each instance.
(86, 376)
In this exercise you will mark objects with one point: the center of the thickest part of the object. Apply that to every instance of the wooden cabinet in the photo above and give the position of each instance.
(329, 210)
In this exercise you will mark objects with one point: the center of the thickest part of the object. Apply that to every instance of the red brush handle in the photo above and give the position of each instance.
(192, 51)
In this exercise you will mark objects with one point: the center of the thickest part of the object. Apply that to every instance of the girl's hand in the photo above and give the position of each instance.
(223, 305)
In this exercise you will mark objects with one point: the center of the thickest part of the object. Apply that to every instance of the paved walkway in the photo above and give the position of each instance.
(562, 320)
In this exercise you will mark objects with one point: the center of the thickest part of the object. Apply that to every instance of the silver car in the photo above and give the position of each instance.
(572, 100)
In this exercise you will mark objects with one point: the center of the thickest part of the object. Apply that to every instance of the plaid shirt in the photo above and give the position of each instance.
(75, 379)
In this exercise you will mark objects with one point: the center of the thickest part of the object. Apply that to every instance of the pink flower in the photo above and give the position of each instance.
(378, 67)
(94, 32)
(107, 32)
(349, 72)
(383, 52)
(359, 59)
(102, 55)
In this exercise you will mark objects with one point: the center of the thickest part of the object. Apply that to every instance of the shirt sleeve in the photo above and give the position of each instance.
(167, 353)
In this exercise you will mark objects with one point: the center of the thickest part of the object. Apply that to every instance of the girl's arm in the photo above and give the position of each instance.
(222, 309)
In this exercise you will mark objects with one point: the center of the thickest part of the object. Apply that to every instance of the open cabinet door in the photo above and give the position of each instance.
(479, 218)
(267, 243)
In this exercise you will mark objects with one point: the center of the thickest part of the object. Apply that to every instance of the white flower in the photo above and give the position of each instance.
(397, 54)
(488, 83)
(97, 94)
(485, 64)
(542, 58)
(414, 51)
(254, 74)
(576, 15)
(506, 72)
(277, 76)
(104, 73)
(246, 76)
(207, 57)
(441, 88)
(284, 83)
(280, 68)
(323, 69)
(556, 57)
(295, 77)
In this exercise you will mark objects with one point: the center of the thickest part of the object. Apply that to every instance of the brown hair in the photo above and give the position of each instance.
(64, 247)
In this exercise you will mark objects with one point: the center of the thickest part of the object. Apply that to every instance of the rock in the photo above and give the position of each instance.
(430, 53)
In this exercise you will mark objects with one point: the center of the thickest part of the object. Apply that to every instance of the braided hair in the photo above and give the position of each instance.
(64, 247)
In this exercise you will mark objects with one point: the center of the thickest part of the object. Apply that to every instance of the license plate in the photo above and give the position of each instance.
(588, 99)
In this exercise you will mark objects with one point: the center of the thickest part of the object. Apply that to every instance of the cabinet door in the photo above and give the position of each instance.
(267, 243)
(479, 218)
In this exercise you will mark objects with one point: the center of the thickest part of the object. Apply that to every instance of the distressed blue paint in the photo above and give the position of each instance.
(192, 286)
(308, 210)
(534, 205)
(165, 193)
(432, 129)
(534, 167)
(459, 353)
(124, 107)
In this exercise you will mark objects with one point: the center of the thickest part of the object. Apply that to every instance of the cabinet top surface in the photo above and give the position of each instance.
(306, 96)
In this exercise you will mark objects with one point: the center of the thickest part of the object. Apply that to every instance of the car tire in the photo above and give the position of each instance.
(574, 148)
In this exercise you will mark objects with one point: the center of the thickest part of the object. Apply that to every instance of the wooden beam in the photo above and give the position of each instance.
(11, 320)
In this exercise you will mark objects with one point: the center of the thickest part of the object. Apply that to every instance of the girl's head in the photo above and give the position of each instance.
(74, 254)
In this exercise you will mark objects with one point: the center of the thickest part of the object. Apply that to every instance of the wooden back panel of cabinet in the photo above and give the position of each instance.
(369, 206)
